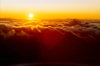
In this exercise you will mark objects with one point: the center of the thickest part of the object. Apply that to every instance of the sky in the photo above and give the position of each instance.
(82, 9)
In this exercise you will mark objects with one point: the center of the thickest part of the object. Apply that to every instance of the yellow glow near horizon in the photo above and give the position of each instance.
(50, 9)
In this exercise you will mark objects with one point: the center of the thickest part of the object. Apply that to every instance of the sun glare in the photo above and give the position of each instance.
(31, 15)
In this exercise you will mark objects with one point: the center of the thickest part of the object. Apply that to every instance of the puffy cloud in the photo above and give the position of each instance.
(79, 28)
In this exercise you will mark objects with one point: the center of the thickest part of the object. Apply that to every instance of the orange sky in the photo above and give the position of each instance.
(51, 9)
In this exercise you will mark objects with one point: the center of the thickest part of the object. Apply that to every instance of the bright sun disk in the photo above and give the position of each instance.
(31, 15)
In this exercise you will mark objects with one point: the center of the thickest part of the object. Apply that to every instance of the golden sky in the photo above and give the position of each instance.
(49, 9)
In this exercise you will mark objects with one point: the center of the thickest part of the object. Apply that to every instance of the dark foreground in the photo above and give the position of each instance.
(49, 46)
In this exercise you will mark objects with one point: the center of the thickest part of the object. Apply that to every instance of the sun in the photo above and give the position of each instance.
(31, 15)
